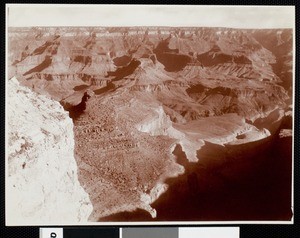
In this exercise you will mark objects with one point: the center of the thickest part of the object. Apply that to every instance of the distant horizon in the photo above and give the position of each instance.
(235, 28)
(75, 15)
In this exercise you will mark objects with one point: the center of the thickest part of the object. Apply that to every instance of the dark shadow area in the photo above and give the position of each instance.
(86, 60)
(85, 77)
(24, 54)
(124, 71)
(163, 47)
(270, 122)
(80, 87)
(198, 88)
(170, 58)
(210, 59)
(77, 110)
(122, 61)
(242, 136)
(49, 77)
(229, 183)
(90, 43)
(45, 64)
(287, 122)
(173, 62)
(110, 87)
(41, 49)
(221, 90)
(215, 56)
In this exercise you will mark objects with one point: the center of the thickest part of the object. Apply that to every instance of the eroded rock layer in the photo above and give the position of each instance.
(136, 95)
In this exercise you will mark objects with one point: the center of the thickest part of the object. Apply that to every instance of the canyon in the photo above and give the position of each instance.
(157, 110)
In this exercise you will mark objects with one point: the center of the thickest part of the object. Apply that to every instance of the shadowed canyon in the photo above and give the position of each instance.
(169, 124)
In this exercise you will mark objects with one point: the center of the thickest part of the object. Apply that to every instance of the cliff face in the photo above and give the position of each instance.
(42, 183)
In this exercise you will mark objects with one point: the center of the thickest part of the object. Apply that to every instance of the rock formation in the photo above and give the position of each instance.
(42, 184)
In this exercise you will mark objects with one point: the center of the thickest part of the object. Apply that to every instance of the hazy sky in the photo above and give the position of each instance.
(151, 15)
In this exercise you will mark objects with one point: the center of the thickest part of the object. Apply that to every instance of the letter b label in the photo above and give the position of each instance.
(51, 232)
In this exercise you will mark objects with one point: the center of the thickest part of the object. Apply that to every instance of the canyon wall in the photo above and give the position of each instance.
(42, 185)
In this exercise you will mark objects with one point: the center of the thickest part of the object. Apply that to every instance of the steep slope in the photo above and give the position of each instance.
(116, 163)
(42, 182)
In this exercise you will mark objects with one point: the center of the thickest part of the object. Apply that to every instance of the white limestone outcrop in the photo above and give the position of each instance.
(42, 186)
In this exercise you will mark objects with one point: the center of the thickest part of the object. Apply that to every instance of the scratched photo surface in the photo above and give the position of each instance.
(149, 114)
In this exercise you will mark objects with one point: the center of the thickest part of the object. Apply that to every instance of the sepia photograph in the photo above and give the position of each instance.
(149, 114)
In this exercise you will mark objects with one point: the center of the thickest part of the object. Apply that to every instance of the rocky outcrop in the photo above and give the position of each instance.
(42, 183)
(115, 160)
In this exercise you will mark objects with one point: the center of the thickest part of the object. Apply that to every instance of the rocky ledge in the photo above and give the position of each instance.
(42, 184)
